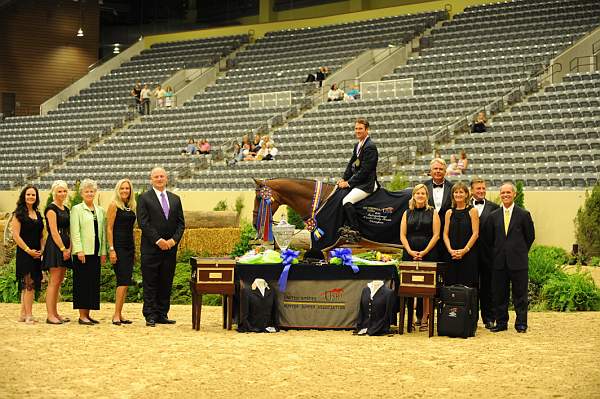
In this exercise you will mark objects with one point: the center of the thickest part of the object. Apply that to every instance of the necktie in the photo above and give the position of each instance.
(478, 202)
(164, 204)
(506, 220)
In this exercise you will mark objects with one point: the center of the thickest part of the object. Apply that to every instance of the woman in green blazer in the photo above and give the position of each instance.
(88, 244)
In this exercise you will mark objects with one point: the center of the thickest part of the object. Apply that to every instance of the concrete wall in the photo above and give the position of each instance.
(553, 212)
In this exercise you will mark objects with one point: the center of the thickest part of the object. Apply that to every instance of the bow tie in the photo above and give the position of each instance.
(438, 185)
(478, 202)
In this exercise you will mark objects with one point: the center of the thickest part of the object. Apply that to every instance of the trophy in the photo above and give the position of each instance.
(283, 233)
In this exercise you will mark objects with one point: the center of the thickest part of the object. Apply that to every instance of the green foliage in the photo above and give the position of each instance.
(49, 200)
(76, 197)
(239, 205)
(594, 261)
(184, 255)
(571, 292)
(9, 289)
(181, 293)
(398, 182)
(520, 198)
(294, 218)
(248, 233)
(221, 206)
(544, 263)
(587, 224)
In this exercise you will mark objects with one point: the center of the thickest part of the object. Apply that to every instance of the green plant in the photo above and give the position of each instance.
(76, 197)
(221, 206)
(544, 263)
(570, 292)
(247, 234)
(184, 255)
(9, 289)
(239, 205)
(294, 218)
(398, 182)
(520, 198)
(49, 200)
(594, 261)
(587, 221)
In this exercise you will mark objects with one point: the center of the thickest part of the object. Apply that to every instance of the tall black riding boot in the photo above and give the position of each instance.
(352, 221)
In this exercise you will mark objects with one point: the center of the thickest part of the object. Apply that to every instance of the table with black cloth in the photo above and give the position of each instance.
(325, 297)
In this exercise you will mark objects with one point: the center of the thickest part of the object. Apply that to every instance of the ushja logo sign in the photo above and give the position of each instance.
(333, 295)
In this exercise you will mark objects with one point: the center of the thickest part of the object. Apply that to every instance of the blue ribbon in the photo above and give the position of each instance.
(287, 257)
(345, 254)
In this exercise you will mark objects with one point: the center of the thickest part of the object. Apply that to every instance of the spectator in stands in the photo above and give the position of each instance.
(57, 251)
(145, 99)
(247, 153)
(27, 230)
(159, 93)
(268, 152)
(353, 94)
(236, 154)
(136, 92)
(322, 75)
(257, 144)
(452, 168)
(169, 97)
(335, 94)
(246, 140)
(204, 148)
(119, 233)
(463, 162)
(190, 148)
(88, 236)
(479, 123)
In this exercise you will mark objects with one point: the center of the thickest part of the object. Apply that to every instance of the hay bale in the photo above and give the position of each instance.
(210, 219)
(203, 241)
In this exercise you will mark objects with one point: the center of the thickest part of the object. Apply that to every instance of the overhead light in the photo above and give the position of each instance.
(80, 33)
(116, 50)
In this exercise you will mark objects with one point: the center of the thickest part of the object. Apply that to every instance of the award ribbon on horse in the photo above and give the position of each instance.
(264, 221)
(311, 223)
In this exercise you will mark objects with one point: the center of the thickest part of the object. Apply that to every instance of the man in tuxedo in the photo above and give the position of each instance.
(360, 177)
(510, 232)
(160, 217)
(484, 208)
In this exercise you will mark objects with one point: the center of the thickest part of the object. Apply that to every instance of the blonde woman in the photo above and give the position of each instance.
(119, 233)
(57, 251)
(419, 232)
(461, 230)
(88, 235)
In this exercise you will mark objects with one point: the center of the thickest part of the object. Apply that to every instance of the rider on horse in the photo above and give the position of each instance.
(360, 176)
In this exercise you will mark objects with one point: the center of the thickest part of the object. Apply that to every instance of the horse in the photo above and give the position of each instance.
(305, 197)
(295, 193)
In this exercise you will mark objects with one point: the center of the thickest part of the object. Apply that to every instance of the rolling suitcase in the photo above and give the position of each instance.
(457, 311)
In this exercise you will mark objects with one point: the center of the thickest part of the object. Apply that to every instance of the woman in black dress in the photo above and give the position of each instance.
(419, 232)
(27, 230)
(461, 231)
(57, 252)
(119, 232)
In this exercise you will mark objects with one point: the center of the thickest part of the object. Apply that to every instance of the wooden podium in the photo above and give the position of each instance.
(419, 279)
(212, 276)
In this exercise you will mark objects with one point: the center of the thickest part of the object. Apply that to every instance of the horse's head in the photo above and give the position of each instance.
(263, 191)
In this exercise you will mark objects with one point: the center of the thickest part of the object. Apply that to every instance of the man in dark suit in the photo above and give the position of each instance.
(160, 217)
(439, 198)
(510, 232)
(484, 208)
(360, 176)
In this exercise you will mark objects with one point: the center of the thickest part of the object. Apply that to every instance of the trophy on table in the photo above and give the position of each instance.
(283, 233)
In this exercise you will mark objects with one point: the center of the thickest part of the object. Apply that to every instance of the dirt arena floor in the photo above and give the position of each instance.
(557, 358)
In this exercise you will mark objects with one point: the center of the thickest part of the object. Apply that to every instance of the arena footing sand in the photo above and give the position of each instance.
(557, 358)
